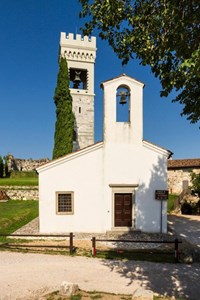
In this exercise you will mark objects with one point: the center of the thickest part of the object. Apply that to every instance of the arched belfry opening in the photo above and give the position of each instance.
(78, 79)
(123, 104)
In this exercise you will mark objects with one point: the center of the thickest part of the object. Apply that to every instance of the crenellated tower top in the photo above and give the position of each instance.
(78, 48)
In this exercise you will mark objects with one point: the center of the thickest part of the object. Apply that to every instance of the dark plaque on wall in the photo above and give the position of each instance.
(161, 194)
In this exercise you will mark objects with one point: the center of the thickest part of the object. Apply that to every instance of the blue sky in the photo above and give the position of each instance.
(29, 45)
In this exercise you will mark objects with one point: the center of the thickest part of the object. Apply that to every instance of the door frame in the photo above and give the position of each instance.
(123, 189)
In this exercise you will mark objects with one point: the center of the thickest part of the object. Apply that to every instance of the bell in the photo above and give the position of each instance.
(77, 79)
(123, 96)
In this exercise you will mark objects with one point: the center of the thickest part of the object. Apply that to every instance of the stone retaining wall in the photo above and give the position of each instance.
(21, 192)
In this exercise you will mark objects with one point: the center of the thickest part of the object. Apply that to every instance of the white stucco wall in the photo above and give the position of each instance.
(144, 167)
(81, 173)
(90, 176)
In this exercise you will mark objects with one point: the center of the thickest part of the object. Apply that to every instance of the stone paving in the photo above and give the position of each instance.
(30, 228)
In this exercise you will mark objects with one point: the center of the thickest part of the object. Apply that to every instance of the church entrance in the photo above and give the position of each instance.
(123, 210)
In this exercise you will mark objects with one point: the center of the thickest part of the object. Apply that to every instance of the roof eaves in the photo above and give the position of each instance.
(170, 153)
(122, 75)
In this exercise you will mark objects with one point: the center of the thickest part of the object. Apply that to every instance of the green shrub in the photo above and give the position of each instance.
(22, 174)
(186, 208)
(195, 178)
(171, 203)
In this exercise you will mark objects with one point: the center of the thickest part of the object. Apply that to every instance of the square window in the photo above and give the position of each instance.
(65, 202)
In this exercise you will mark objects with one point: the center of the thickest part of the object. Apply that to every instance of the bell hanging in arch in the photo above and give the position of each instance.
(77, 79)
(123, 97)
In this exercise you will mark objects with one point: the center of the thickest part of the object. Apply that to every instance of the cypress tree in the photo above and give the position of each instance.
(1, 167)
(64, 127)
(6, 170)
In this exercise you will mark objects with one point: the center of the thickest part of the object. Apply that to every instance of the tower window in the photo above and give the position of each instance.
(78, 79)
(74, 136)
(123, 104)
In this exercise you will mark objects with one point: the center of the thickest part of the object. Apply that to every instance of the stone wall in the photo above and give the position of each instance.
(83, 107)
(18, 164)
(21, 192)
(180, 179)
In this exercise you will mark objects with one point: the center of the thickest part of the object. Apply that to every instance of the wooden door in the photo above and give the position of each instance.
(123, 210)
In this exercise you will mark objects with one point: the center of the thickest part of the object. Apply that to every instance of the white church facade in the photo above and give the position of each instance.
(110, 185)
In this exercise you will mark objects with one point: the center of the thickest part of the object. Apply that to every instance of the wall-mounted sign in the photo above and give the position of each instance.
(161, 194)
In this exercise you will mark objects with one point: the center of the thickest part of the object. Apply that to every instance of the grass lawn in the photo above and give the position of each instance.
(28, 181)
(16, 213)
(170, 202)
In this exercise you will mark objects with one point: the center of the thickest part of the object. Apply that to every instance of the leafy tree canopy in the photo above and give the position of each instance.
(163, 34)
(195, 178)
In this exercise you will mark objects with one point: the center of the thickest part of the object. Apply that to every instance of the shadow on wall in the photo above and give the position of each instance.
(76, 145)
(148, 211)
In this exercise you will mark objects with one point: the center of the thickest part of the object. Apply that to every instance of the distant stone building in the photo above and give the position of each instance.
(179, 171)
(19, 164)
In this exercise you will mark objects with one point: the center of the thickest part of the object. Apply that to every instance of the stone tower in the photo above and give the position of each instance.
(80, 53)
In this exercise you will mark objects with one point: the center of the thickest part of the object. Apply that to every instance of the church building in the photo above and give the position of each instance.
(110, 185)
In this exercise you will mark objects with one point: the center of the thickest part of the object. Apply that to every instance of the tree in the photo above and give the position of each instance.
(195, 179)
(163, 34)
(1, 167)
(6, 169)
(64, 127)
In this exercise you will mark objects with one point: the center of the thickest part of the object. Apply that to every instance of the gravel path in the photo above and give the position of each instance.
(27, 276)
(186, 227)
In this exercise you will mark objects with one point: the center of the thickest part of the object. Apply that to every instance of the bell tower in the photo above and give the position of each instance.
(123, 111)
(80, 53)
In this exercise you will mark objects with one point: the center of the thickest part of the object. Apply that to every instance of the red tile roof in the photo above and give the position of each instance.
(183, 163)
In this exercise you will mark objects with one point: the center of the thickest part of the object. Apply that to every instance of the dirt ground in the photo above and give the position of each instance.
(30, 275)
(86, 244)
